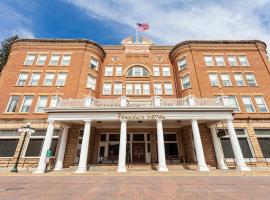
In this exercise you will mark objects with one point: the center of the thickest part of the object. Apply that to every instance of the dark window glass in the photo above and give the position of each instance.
(148, 148)
(227, 147)
(170, 137)
(138, 137)
(148, 137)
(13, 104)
(8, 147)
(103, 137)
(101, 151)
(81, 133)
(35, 146)
(128, 137)
(171, 149)
(113, 150)
(114, 137)
(265, 146)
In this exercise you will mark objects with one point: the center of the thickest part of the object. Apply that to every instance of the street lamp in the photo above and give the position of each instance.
(25, 130)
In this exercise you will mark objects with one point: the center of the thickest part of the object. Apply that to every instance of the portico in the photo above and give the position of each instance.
(193, 112)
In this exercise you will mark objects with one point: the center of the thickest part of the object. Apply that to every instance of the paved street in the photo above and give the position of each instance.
(134, 187)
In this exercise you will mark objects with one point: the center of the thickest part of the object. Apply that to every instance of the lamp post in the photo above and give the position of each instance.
(25, 130)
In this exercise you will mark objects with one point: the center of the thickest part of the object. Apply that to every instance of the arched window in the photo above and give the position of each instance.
(137, 70)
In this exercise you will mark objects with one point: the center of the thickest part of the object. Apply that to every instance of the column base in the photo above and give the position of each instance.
(162, 168)
(223, 167)
(243, 168)
(58, 168)
(203, 168)
(121, 169)
(39, 171)
(80, 170)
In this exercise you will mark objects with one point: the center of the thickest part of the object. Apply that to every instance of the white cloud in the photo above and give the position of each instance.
(13, 23)
(173, 21)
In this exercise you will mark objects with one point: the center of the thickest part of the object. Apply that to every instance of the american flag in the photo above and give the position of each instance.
(143, 26)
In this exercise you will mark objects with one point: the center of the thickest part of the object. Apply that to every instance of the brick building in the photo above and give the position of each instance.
(200, 103)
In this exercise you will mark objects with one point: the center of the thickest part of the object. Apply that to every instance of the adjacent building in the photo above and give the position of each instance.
(199, 103)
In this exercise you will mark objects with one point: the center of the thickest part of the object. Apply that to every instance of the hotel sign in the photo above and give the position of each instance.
(141, 116)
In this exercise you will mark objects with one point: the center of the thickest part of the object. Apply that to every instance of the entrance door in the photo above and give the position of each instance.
(138, 152)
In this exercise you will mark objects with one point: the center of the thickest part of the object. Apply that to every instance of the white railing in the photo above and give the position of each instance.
(140, 103)
(71, 103)
(111, 103)
(174, 102)
(156, 101)
(205, 102)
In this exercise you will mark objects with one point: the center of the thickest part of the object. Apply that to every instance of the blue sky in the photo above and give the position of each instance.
(108, 21)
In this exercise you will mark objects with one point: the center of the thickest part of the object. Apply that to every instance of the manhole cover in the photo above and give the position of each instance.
(16, 188)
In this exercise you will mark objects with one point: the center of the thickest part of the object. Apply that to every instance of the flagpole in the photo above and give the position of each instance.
(137, 35)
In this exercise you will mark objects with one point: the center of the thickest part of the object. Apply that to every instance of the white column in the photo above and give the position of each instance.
(62, 149)
(123, 147)
(218, 150)
(198, 146)
(84, 148)
(46, 146)
(240, 162)
(162, 167)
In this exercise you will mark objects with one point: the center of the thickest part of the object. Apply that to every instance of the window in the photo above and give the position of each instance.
(261, 103)
(66, 60)
(138, 71)
(251, 81)
(234, 103)
(263, 137)
(248, 104)
(42, 103)
(185, 82)
(41, 59)
(156, 71)
(91, 82)
(13, 102)
(22, 79)
(29, 59)
(220, 61)
(208, 61)
(168, 89)
(107, 88)
(8, 147)
(166, 71)
(146, 88)
(129, 89)
(48, 81)
(35, 146)
(118, 71)
(118, 88)
(243, 61)
(213, 79)
(239, 79)
(34, 79)
(108, 71)
(54, 60)
(137, 89)
(157, 89)
(232, 60)
(27, 101)
(243, 142)
(94, 63)
(182, 64)
(54, 101)
(61, 79)
(226, 81)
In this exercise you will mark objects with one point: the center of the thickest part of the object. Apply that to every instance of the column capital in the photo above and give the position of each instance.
(123, 120)
(50, 120)
(65, 126)
(159, 120)
(87, 120)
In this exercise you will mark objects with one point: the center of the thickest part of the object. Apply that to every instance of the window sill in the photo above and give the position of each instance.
(9, 113)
